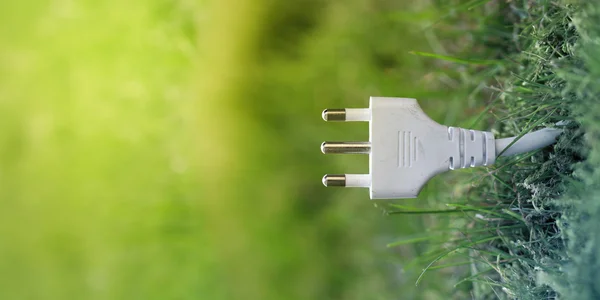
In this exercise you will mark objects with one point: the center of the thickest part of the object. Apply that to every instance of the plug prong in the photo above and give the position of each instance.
(347, 180)
(334, 180)
(346, 147)
(333, 115)
(347, 114)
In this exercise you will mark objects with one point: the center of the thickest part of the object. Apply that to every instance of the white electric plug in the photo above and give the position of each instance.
(406, 148)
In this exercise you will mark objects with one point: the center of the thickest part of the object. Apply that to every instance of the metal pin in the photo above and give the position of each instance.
(347, 180)
(347, 114)
(334, 115)
(346, 147)
(334, 180)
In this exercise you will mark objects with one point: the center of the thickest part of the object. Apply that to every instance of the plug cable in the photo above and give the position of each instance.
(528, 142)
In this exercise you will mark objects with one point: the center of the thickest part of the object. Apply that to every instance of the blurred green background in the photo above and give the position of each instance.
(170, 149)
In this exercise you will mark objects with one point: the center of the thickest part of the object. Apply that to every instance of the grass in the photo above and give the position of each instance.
(528, 225)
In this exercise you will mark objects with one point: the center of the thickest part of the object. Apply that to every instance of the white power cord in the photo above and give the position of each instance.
(529, 142)
(406, 148)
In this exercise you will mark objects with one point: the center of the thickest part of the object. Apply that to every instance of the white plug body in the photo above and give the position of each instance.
(408, 148)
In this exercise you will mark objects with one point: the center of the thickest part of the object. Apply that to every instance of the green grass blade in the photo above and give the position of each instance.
(446, 253)
(457, 60)
(473, 277)
(444, 234)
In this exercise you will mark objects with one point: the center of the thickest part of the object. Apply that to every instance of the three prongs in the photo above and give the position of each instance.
(347, 115)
